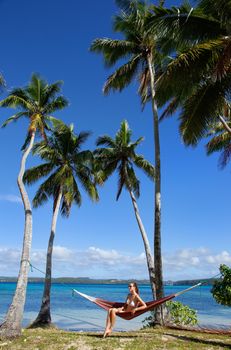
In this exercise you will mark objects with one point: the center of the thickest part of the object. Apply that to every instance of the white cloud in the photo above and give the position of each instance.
(96, 262)
(11, 198)
(196, 263)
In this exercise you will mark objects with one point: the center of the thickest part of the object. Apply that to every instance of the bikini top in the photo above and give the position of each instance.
(131, 302)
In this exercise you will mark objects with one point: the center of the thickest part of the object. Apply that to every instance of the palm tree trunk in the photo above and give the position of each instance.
(225, 124)
(44, 316)
(11, 327)
(149, 257)
(157, 229)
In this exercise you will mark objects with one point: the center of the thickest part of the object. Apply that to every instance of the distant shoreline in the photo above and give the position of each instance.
(86, 280)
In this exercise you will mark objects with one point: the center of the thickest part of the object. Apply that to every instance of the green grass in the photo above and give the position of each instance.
(159, 338)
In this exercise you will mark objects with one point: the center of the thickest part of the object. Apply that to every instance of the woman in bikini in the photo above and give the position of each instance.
(132, 304)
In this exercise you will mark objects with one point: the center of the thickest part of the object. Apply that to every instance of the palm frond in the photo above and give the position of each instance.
(132, 182)
(125, 5)
(50, 91)
(82, 137)
(46, 190)
(121, 179)
(184, 24)
(188, 70)
(123, 76)
(26, 142)
(219, 9)
(15, 101)
(57, 104)
(14, 118)
(217, 143)
(87, 183)
(198, 113)
(112, 50)
(35, 173)
(144, 165)
(123, 136)
(225, 157)
(105, 140)
(223, 64)
(171, 108)
(40, 198)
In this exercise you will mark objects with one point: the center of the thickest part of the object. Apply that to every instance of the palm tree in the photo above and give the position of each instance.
(141, 51)
(64, 164)
(198, 80)
(120, 156)
(36, 102)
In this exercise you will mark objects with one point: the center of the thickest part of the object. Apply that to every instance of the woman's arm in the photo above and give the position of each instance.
(141, 303)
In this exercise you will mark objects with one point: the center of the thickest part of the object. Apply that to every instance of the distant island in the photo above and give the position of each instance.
(87, 280)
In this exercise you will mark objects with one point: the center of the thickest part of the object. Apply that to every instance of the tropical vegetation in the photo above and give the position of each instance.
(36, 102)
(64, 166)
(220, 141)
(221, 290)
(120, 156)
(178, 314)
(181, 59)
(197, 81)
(139, 50)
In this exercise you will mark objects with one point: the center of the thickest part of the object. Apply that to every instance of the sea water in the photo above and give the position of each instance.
(73, 312)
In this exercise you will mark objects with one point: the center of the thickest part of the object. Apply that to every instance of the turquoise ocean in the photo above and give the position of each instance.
(73, 312)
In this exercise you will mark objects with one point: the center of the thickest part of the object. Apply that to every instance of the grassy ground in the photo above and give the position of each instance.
(161, 338)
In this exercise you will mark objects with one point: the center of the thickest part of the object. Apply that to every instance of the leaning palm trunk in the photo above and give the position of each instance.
(44, 316)
(226, 126)
(11, 327)
(159, 319)
(149, 257)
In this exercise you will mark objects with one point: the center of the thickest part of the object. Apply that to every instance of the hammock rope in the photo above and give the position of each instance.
(106, 305)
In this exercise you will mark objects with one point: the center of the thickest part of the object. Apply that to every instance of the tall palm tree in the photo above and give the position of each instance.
(36, 102)
(198, 80)
(140, 50)
(64, 165)
(120, 156)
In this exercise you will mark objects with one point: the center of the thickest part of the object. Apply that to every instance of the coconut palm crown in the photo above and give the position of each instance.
(135, 49)
(120, 156)
(64, 164)
(198, 80)
(37, 101)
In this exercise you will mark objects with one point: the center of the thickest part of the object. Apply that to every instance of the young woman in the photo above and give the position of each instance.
(132, 304)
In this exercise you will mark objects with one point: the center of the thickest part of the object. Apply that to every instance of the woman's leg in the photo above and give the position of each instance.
(108, 324)
(113, 317)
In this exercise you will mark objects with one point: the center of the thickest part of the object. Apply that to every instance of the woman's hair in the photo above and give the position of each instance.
(136, 287)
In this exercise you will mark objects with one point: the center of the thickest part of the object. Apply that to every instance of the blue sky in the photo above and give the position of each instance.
(103, 240)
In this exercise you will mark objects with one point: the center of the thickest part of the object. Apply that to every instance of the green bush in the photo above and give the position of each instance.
(178, 313)
(181, 314)
(221, 290)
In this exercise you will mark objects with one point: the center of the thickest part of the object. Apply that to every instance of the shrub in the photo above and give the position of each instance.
(178, 313)
(221, 289)
(181, 314)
